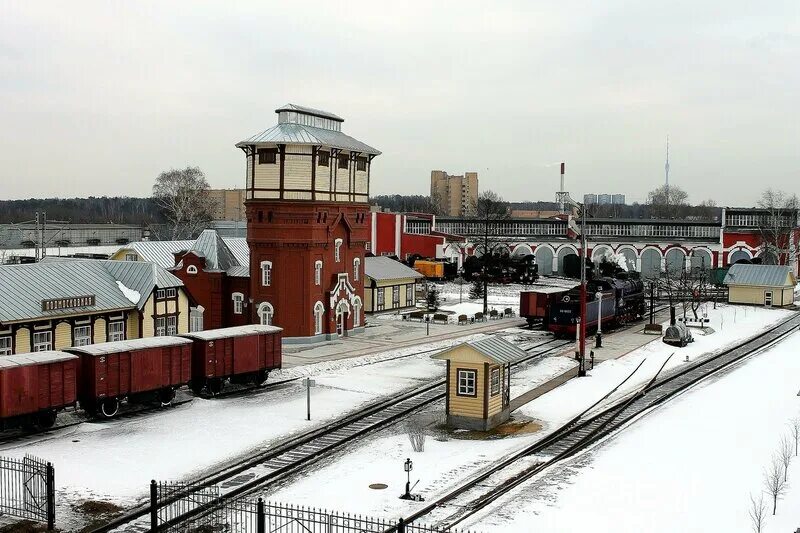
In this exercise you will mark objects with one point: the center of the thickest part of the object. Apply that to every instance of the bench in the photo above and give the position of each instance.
(493, 314)
(508, 312)
(462, 320)
(479, 317)
(440, 317)
(417, 315)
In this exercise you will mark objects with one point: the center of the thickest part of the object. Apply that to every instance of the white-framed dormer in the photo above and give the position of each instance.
(266, 273)
(337, 250)
(318, 272)
(319, 317)
(265, 313)
(356, 268)
(191, 269)
(238, 303)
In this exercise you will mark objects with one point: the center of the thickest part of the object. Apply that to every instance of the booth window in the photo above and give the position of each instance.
(466, 382)
(495, 381)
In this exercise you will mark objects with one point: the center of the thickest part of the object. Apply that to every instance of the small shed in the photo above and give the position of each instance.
(389, 285)
(479, 382)
(769, 285)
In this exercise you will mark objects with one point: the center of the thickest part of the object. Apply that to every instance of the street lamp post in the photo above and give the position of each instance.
(598, 338)
(408, 466)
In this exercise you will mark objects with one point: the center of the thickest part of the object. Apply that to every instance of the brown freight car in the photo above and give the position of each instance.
(534, 305)
(137, 370)
(243, 354)
(35, 386)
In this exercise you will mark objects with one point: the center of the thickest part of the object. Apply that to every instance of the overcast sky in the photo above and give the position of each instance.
(96, 98)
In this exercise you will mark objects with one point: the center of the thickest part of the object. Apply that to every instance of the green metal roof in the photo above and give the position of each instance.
(760, 275)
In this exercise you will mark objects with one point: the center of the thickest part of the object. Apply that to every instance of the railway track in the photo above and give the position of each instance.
(263, 469)
(587, 429)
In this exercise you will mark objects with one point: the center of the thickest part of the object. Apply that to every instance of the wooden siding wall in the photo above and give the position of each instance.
(63, 336)
(23, 341)
(100, 330)
(371, 305)
(755, 295)
(466, 405)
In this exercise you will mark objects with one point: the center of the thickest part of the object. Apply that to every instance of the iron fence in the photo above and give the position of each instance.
(27, 489)
(179, 508)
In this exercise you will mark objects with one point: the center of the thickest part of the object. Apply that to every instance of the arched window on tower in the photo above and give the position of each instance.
(319, 316)
(266, 273)
(318, 273)
(238, 303)
(337, 250)
(265, 313)
(356, 268)
(357, 311)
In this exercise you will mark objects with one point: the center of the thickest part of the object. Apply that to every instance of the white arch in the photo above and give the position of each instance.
(545, 259)
(519, 248)
(565, 247)
(632, 248)
(652, 247)
(675, 265)
(319, 315)
(695, 251)
(191, 269)
(500, 247)
(739, 250)
(342, 307)
(598, 248)
(265, 313)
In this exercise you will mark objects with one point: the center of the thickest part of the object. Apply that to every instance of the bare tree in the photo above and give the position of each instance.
(416, 431)
(183, 197)
(776, 223)
(664, 200)
(774, 483)
(491, 210)
(758, 512)
(794, 429)
(785, 455)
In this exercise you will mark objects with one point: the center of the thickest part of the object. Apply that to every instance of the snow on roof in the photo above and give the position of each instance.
(383, 268)
(759, 275)
(237, 331)
(35, 358)
(130, 294)
(547, 289)
(105, 348)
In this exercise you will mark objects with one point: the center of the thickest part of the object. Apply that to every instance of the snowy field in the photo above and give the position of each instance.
(687, 466)
(445, 463)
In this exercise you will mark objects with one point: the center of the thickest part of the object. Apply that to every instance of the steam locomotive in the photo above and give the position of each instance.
(621, 301)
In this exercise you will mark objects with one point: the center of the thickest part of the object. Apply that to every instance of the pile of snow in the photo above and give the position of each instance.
(130, 294)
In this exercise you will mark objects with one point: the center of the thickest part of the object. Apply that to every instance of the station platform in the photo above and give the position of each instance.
(382, 335)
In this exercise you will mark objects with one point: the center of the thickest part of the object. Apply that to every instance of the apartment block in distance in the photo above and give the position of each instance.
(454, 196)
(228, 204)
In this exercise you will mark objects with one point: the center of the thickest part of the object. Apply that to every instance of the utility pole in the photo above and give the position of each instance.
(38, 239)
(582, 347)
(44, 232)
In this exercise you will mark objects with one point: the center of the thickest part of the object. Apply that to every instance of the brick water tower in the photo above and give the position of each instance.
(307, 224)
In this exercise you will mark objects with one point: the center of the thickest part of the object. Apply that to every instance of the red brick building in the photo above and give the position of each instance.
(308, 224)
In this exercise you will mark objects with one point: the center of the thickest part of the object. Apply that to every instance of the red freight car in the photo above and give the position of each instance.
(534, 305)
(243, 354)
(138, 369)
(35, 386)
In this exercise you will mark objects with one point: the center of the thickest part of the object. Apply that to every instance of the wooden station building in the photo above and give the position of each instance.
(769, 285)
(390, 285)
(308, 225)
(479, 382)
(60, 303)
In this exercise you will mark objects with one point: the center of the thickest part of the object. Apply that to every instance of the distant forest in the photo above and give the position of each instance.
(118, 210)
(127, 210)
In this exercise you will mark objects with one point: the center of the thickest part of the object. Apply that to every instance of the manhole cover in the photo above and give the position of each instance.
(379, 486)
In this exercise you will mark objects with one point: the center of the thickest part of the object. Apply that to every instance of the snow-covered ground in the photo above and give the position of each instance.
(687, 466)
(343, 483)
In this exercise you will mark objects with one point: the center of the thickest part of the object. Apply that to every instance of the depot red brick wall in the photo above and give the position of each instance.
(385, 233)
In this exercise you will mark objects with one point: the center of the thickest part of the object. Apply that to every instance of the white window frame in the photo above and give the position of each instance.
(172, 324)
(319, 317)
(494, 379)
(410, 294)
(82, 335)
(6, 345)
(318, 272)
(337, 250)
(112, 334)
(380, 298)
(161, 326)
(238, 303)
(160, 294)
(466, 382)
(191, 269)
(356, 268)
(395, 296)
(172, 293)
(266, 313)
(131, 257)
(196, 318)
(266, 273)
(42, 341)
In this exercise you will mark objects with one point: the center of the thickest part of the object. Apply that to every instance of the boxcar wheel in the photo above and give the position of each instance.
(260, 377)
(109, 408)
(215, 386)
(165, 396)
(46, 419)
(197, 387)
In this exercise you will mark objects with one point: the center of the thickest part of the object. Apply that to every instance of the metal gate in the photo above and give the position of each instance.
(170, 503)
(27, 489)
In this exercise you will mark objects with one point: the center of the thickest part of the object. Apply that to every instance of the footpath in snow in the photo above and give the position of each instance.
(687, 466)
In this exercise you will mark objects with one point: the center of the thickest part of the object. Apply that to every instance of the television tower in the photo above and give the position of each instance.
(666, 167)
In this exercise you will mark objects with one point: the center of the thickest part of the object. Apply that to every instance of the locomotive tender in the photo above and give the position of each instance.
(622, 301)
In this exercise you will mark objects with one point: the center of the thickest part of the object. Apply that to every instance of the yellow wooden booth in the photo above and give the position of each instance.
(479, 382)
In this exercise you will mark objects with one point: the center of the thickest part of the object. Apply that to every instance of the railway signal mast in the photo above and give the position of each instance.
(564, 199)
